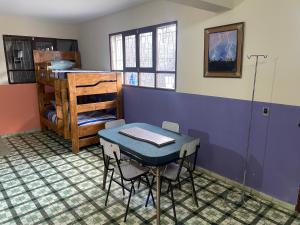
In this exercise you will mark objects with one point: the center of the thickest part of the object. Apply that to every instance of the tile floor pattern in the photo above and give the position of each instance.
(42, 182)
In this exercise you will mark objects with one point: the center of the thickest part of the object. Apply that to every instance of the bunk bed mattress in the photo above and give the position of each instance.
(84, 119)
(62, 74)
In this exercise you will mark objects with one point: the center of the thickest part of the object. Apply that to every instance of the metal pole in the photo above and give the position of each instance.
(250, 120)
(245, 169)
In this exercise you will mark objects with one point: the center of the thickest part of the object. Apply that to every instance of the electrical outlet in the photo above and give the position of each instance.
(266, 111)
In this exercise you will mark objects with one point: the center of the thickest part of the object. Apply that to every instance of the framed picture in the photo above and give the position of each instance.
(223, 51)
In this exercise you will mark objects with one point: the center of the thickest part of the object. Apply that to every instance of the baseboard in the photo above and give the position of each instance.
(19, 133)
(254, 192)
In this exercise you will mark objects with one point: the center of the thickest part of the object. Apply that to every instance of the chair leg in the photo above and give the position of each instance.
(161, 181)
(193, 187)
(151, 186)
(127, 208)
(133, 187)
(139, 183)
(104, 178)
(179, 183)
(152, 182)
(122, 186)
(150, 191)
(106, 160)
(168, 189)
(147, 200)
(173, 202)
(111, 178)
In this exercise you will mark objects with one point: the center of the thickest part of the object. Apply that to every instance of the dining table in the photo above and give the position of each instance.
(146, 153)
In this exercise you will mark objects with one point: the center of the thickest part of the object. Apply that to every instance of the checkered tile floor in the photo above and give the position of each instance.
(42, 182)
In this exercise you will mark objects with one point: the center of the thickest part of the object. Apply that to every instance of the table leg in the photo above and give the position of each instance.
(158, 195)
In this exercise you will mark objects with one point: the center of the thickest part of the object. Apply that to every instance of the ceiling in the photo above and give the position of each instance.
(83, 10)
(66, 10)
(210, 5)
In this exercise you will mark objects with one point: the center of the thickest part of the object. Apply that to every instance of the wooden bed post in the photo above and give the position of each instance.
(58, 106)
(41, 94)
(73, 113)
(65, 110)
(119, 96)
(77, 60)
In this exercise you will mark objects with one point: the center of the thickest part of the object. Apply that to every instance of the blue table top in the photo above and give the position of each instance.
(144, 152)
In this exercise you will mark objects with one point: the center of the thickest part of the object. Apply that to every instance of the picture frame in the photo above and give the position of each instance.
(223, 51)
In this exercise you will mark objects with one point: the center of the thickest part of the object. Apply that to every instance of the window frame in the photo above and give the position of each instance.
(137, 69)
(124, 35)
(151, 29)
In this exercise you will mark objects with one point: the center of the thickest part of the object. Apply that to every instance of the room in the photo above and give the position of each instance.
(149, 112)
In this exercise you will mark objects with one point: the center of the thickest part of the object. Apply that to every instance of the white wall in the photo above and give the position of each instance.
(94, 35)
(32, 27)
(271, 28)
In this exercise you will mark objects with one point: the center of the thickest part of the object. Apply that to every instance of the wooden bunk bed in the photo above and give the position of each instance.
(70, 113)
(53, 89)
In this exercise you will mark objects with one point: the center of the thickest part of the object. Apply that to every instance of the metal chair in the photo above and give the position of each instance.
(174, 127)
(172, 171)
(114, 123)
(129, 172)
(170, 126)
(108, 125)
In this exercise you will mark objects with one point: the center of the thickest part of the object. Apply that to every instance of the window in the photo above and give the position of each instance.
(147, 56)
(130, 51)
(146, 51)
(116, 49)
(19, 59)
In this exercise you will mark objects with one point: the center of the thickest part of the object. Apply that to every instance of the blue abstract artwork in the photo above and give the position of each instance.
(222, 51)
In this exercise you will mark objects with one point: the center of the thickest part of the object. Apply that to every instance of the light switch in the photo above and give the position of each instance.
(266, 111)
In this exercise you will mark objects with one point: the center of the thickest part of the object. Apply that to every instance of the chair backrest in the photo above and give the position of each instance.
(170, 126)
(189, 148)
(109, 149)
(115, 123)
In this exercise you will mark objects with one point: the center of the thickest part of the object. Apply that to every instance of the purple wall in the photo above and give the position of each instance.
(222, 124)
